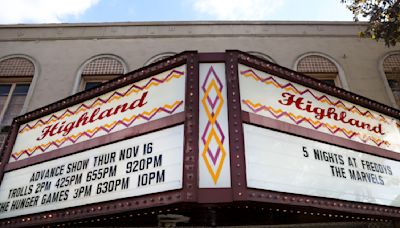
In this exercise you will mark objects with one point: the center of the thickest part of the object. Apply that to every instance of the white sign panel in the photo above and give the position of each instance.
(152, 98)
(146, 164)
(214, 164)
(285, 163)
(273, 97)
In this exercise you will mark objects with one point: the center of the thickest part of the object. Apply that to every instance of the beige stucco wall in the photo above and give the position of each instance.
(60, 50)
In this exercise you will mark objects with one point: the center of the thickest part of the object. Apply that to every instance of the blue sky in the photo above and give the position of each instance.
(74, 11)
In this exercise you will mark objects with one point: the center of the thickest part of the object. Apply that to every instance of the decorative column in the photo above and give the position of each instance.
(214, 154)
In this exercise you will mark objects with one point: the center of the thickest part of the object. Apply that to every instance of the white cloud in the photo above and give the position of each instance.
(41, 11)
(238, 9)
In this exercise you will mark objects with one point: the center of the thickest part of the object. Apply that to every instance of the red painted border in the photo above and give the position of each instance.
(190, 162)
(266, 196)
(96, 209)
(238, 164)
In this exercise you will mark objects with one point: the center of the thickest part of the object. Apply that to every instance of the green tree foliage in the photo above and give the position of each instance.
(384, 18)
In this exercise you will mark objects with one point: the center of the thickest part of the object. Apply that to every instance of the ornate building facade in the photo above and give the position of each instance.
(42, 64)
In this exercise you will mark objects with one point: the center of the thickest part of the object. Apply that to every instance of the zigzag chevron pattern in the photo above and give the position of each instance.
(298, 119)
(213, 102)
(324, 99)
(153, 81)
(106, 128)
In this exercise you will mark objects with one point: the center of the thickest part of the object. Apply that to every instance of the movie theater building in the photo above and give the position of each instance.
(198, 124)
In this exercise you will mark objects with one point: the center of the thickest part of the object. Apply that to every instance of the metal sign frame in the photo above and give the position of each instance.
(191, 194)
(302, 200)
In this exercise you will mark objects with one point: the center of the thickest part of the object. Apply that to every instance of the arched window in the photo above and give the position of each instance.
(159, 57)
(320, 68)
(100, 69)
(16, 74)
(391, 67)
(262, 56)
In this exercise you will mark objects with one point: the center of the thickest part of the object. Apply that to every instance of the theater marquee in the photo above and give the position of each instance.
(200, 131)
(143, 165)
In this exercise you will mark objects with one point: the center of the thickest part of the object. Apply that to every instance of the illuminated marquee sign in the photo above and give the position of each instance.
(273, 97)
(149, 99)
(285, 163)
(134, 167)
(210, 128)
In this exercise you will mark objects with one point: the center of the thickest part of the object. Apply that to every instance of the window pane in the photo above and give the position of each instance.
(4, 91)
(394, 84)
(320, 68)
(16, 103)
(329, 81)
(90, 85)
(21, 89)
